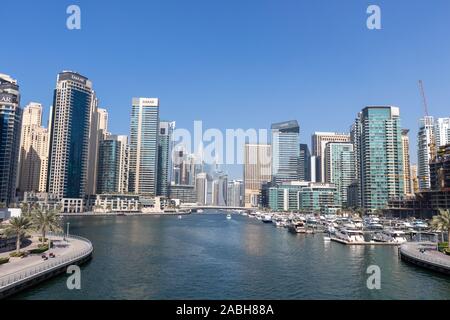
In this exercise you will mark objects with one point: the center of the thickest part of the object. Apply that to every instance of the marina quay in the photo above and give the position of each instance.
(224, 159)
(35, 267)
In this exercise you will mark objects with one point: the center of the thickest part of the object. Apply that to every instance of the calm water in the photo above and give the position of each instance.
(208, 257)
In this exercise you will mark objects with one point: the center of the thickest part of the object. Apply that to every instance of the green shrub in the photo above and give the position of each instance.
(4, 260)
(45, 239)
(442, 246)
(19, 254)
(40, 249)
(447, 251)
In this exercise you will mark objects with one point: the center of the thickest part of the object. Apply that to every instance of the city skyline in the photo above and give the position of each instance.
(268, 62)
(100, 121)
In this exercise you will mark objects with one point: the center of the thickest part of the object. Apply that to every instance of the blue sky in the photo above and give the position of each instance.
(237, 63)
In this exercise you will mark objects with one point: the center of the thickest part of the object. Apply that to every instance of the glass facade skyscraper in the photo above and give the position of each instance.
(304, 163)
(10, 125)
(340, 168)
(112, 169)
(74, 106)
(165, 157)
(285, 151)
(381, 156)
(144, 145)
(319, 141)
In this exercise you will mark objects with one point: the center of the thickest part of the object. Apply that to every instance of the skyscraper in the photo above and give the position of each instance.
(425, 151)
(318, 142)
(407, 182)
(10, 123)
(33, 157)
(99, 132)
(103, 118)
(144, 142)
(354, 193)
(112, 170)
(165, 157)
(257, 171)
(340, 168)
(219, 189)
(442, 132)
(235, 193)
(304, 163)
(285, 151)
(72, 135)
(414, 179)
(203, 187)
(381, 166)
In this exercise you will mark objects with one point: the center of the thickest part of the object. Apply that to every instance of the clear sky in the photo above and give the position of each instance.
(237, 63)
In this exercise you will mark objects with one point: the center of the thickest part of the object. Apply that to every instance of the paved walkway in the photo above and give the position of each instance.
(426, 252)
(61, 249)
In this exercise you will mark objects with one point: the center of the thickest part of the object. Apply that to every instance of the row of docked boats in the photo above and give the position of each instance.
(347, 229)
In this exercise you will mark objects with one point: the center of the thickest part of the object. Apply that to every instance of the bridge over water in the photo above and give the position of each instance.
(207, 207)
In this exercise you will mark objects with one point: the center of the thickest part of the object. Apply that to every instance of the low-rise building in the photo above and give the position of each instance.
(184, 193)
(304, 196)
(117, 203)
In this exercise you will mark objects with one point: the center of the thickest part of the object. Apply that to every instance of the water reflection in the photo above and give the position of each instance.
(209, 257)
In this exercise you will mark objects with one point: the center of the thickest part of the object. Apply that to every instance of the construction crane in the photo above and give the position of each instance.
(432, 145)
(424, 98)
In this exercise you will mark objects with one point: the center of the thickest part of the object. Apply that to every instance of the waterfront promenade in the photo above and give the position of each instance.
(21, 273)
(425, 254)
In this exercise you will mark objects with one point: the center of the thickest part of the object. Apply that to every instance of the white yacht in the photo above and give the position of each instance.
(350, 235)
(419, 225)
(393, 236)
(297, 227)
(229, 216)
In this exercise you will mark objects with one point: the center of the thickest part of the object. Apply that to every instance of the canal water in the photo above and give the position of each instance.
(206, 256)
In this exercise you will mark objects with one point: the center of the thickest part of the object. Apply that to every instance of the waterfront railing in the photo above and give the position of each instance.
(53, 264)
(413, 251)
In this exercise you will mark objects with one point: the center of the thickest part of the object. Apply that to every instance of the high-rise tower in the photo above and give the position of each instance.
(72, 135)
(144, 142)
(10, 123)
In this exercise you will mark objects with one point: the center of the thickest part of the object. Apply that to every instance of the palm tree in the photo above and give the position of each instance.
(26, 208)
(441, 222)
(18, 227)
(45, 220)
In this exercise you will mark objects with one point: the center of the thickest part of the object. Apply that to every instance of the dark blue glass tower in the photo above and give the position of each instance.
(69, 145)
(10, 124)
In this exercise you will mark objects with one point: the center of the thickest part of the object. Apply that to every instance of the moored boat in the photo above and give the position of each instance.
(350, 235)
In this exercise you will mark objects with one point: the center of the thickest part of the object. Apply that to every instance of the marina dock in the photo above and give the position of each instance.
(365, 243)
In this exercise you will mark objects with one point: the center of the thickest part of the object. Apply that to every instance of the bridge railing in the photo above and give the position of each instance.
(54, 263)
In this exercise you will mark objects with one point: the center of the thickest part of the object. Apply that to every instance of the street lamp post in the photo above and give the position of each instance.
(67, 233)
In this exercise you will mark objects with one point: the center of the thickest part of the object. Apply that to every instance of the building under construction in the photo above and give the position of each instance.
(427, 203)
